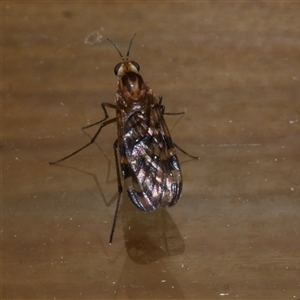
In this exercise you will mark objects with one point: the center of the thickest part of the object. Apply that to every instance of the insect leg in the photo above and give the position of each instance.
(119, 191)
(162, 107)
(184, 152)
(169, 113)
(103, 105)
(103, 124)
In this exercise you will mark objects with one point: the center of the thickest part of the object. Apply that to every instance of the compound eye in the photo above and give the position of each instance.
(119, 69)
(134, 66)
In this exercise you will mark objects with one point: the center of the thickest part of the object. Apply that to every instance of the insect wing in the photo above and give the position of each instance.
(152, 175)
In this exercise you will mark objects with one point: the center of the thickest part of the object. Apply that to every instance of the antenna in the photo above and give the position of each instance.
(130, 46)
(127, 55)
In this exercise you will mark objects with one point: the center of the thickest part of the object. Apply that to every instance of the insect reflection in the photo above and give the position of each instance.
(144, 152)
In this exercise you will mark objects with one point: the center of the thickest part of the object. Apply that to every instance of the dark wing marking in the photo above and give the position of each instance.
(149, 166)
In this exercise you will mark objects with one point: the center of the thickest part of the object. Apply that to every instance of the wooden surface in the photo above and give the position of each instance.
(235, 233)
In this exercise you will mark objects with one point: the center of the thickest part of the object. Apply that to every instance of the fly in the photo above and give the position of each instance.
(144, 152)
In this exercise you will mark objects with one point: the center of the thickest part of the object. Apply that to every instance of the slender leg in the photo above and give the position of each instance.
(103, 124)
(119, 191)
(173, 114)
(162, 107)
(103, 105)
(184, 152)
(159, 99)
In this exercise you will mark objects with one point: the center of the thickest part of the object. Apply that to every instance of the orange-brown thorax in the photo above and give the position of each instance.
(132, 87)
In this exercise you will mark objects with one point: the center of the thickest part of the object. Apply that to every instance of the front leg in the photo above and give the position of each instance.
(103, 105)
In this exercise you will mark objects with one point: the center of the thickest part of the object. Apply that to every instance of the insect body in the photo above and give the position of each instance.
(148, 161)
(146, 157)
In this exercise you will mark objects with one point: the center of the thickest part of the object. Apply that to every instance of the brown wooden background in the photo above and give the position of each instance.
(235, 233)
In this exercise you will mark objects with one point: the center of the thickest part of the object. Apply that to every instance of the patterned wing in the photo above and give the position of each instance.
(149, 166)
